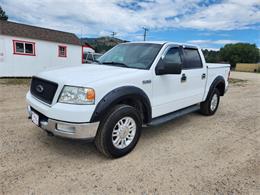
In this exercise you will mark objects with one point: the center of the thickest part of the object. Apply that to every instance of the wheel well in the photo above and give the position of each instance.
(138, 104)
(128, 95)
(221, 87)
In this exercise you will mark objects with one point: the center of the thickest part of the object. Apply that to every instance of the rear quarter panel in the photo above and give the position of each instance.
(213, 71)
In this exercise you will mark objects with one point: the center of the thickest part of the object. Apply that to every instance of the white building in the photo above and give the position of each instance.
(26, 50)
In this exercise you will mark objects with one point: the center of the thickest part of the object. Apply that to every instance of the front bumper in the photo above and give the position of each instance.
(65, 129)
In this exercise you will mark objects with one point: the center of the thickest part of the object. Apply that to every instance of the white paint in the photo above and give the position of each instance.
(166, 92)
(46, 57)
(87, 49)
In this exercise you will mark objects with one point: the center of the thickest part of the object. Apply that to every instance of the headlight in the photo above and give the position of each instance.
(77, 95)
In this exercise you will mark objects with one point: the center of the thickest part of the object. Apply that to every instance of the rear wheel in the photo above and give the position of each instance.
(210, 106)
(119, 131)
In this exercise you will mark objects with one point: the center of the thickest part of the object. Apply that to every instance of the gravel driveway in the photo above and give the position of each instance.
(191, 155)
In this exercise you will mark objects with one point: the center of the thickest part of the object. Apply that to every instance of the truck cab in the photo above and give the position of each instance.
(132, 85)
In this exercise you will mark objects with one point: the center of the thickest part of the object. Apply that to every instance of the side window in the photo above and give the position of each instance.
(191, 59)
(24, 48)
(90, 57)
(62, 51)
(173, 56)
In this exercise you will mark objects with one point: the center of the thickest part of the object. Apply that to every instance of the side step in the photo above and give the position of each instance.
(168, 117)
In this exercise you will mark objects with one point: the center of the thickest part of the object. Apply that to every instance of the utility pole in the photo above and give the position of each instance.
(113, 34)
(145, 32)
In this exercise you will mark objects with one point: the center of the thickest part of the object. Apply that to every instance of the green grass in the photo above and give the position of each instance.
(15, 81)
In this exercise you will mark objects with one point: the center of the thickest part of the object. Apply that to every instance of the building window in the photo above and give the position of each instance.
(24, 48)
(62, 51)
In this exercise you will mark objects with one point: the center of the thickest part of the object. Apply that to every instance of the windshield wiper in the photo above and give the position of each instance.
(116, 63)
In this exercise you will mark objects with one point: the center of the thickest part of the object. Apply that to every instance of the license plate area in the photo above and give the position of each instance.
(35, 118)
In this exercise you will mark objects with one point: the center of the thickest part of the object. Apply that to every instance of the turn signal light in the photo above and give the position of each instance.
(90, 94)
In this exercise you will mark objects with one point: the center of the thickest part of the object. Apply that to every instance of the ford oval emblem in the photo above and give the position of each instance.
(39, 88)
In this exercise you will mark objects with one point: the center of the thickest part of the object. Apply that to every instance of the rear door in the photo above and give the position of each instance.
(193, 76)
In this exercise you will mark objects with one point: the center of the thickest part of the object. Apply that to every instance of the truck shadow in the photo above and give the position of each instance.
(85, 149)
(154, 131)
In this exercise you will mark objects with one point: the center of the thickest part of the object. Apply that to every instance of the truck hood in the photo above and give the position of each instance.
(84, 74)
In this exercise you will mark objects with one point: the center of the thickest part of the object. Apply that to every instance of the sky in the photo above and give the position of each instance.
(210, 23)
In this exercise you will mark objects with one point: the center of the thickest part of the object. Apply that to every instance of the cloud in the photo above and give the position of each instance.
(229, 15)
(215, 42)
(127, 17)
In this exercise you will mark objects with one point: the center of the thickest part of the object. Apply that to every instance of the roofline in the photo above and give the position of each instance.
(51, 35)
(38, 27)
(33, 39)
(165, 42)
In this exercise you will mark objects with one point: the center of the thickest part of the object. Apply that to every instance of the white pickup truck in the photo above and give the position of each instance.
(132, 85)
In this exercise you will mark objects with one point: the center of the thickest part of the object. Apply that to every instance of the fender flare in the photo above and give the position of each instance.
(217, 81)
(119, 94)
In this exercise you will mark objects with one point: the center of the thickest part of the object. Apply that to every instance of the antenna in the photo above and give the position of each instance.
(113, 34)
(145, 32)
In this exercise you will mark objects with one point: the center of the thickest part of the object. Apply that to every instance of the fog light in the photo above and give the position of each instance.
(66, 128)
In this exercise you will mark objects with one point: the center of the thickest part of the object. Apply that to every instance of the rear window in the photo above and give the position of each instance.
(191, 59)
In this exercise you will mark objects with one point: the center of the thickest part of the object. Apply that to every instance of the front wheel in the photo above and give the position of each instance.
(119, 131)
(210, 106)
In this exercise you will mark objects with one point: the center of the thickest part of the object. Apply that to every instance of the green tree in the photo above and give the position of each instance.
(3, 16)
(212, 56)
(240, 53)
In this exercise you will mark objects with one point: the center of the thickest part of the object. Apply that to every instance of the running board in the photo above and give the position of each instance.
(168, 117)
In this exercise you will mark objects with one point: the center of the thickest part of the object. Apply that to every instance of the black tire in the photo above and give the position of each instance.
(103, 139)
(205, 107)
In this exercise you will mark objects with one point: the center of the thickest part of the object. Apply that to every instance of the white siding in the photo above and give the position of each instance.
(46, 57)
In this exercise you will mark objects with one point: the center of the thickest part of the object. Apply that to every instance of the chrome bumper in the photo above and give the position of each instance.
(66, 129)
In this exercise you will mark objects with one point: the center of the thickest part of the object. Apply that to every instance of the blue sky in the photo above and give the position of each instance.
(208, 23)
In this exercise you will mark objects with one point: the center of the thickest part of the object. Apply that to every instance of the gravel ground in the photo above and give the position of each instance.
(191, 155)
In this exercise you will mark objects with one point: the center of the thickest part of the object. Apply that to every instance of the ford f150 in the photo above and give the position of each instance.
(132, 85)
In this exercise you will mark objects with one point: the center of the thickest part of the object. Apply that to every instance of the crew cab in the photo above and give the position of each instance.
(131, 86)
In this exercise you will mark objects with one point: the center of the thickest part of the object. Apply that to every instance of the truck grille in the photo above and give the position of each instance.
(43, 89)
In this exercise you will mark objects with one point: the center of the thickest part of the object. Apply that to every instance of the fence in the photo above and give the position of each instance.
(243, 67)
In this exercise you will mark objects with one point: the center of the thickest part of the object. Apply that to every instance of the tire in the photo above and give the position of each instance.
(207, 108)
(116, 123)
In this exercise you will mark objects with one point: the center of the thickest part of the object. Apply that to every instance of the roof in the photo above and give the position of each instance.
(33, 32)
(165, 42)
(151, 42)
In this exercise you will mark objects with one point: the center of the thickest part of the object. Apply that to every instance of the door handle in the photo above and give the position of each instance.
(203, 76)
(183, 78)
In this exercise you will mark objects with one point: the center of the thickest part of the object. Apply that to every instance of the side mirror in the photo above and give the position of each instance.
(163, 67)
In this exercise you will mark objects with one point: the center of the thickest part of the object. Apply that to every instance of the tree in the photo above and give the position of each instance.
(240, 53)
(212, 56)
(3, 16)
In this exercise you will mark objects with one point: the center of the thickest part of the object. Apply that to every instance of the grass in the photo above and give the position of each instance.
(15, 81)
(237, 82)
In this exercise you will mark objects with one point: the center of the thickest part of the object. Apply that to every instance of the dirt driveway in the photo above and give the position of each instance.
(191, 155)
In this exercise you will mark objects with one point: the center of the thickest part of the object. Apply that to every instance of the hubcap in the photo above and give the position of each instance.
(123, 132)
(214, 102)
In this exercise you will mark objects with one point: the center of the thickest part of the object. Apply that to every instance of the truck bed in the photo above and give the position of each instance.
(215, 65)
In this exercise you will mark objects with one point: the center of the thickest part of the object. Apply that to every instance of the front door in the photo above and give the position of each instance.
(168, 89)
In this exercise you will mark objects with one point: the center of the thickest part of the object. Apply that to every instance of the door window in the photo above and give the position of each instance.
(173, 56)
(191, 58)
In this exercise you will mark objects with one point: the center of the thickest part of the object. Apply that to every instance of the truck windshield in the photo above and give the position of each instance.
(131, 55)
